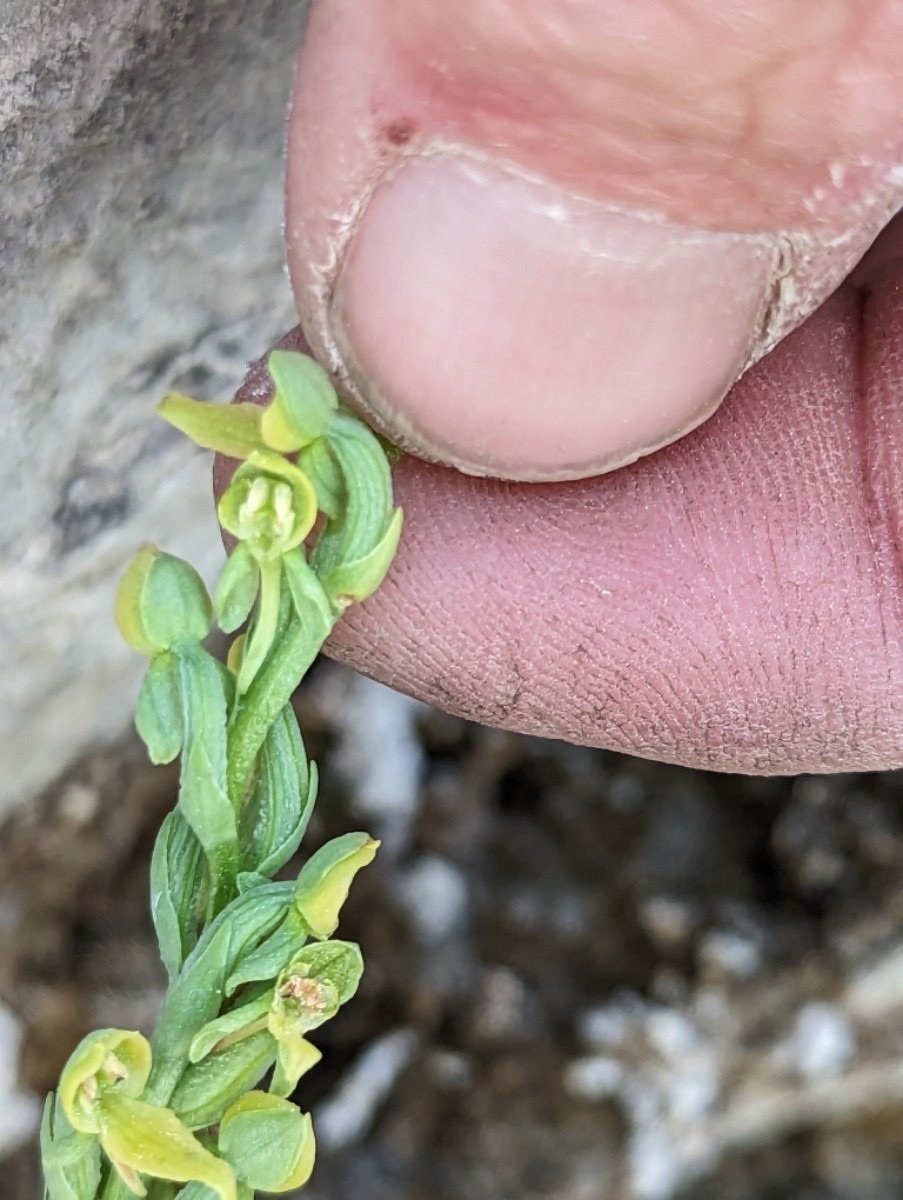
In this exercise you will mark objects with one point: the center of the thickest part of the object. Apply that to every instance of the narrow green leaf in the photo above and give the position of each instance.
(351, 582)
(367, 491)
(319, 464)
(177, 881)
(276, 815)
(270, 957)
(203, 798)
(207, 1088)
(71, 1161)
(232, 1025)
(308, 593)
(195, 998)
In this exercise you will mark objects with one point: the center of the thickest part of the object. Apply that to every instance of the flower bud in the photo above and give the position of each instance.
(161, 602)
(303, 404)
(269, 1142)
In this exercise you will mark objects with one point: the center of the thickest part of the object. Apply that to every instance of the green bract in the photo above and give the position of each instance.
(251, 963)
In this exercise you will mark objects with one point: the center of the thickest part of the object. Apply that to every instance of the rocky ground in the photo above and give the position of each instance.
(589, 978)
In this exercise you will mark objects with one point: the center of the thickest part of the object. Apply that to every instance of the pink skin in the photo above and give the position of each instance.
(732, 601)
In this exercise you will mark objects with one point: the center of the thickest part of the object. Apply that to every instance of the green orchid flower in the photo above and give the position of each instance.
(99, 1090)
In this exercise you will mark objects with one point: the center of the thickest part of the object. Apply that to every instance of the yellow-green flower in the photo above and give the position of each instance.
(99, 1091)
(270, 504)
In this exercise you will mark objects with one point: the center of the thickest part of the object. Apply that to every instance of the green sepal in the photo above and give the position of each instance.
(161, 602)
(232, 1025)
(351, 582)
(158, 716)
(142, 1139)
(232, 429)
(322, 886)
(207, 1088)
(71, 1160)
(269, 1142)
(237, 589)
(295, 1056)
(277, 813)
(303, 404)
(176, 887)
(339, 965)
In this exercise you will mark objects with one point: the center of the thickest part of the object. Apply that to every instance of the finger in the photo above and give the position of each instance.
(539, 240)
(733, 602)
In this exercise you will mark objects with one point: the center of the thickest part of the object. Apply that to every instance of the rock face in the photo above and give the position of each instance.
(140, 249)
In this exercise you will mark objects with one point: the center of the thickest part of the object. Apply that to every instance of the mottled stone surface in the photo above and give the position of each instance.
(140, 248)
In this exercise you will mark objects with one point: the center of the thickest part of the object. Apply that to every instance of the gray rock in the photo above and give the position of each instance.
(140, 249)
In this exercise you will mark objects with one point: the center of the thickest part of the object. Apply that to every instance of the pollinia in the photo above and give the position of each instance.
(202, 1109)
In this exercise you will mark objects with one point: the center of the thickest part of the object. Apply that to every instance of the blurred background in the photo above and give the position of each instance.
(589, 978)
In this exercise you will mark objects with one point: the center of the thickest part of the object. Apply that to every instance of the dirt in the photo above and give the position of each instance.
(588, 977)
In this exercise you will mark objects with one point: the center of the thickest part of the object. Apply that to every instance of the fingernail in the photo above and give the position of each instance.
(509, 328)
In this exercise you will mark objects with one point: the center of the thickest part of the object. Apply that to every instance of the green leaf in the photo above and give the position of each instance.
(364, 517)
(232, 429)
(351, 582)
(275, 818)
(161, 603)
(177, 880)
(269, 1142)
(203, 798)
(323, 884)
(319, 464)
(196, 997)
(207, 1089)
(158, 717)
(269, 958)
(142, 1139)
(308, 593)
(231, 1026)
(303, 404)
(237, 589)
(71, 1161)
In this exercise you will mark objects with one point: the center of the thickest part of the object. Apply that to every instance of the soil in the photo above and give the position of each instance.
(588, 977)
